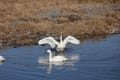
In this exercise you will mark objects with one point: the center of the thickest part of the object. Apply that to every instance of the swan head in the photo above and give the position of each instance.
(48, 51)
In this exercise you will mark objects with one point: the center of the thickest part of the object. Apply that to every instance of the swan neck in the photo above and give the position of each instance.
(61, 38)
(50, 56)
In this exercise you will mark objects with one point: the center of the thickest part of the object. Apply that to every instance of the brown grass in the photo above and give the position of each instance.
(23, 21)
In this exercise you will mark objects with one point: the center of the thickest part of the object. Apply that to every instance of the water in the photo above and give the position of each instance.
(91, 60)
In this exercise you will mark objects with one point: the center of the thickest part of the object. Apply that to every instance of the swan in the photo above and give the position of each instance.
(2, 59)
(59, 45)
(58, 58)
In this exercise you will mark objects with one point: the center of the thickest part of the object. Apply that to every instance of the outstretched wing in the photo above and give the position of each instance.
(49, 40)
(71, 39)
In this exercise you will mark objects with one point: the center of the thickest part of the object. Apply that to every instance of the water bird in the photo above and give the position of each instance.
(59, 46)
(2, 59)
(69, 60)
(57, 58)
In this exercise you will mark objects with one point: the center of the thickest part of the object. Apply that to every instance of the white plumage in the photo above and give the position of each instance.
(59, 45)
(2, 59)
(58, 58)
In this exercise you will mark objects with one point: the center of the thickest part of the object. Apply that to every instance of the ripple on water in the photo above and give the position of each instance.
(88, 61)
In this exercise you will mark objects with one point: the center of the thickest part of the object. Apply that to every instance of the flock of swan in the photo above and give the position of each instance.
(59, 46)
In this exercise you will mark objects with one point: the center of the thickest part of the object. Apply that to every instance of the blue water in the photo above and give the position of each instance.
(91, 60)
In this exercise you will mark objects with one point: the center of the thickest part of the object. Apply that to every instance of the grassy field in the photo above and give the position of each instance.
(26, 21)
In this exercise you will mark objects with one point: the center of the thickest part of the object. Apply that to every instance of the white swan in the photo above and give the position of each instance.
(58, 58)
(2, 59)
(59, 45)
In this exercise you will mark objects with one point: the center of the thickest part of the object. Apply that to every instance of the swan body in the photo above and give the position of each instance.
(58, 58)
(2, 59)
(59, 45)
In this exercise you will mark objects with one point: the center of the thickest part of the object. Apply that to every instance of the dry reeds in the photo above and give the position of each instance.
(22, 20)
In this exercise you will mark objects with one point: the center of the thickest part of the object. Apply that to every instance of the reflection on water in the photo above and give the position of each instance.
(71, 59)
(91, 60)
(1, 63)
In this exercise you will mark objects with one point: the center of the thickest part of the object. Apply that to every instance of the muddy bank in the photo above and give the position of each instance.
(33, 40)
(24, 22)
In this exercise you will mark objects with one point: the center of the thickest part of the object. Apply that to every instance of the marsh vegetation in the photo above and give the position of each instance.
(26, 21)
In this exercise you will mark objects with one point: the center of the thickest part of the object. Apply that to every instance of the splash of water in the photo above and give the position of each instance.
(71, 59)
(74, 58)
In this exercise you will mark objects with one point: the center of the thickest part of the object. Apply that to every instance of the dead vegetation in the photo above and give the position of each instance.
(26, 21)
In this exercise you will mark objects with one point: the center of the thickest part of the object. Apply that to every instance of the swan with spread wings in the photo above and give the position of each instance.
(59, 45)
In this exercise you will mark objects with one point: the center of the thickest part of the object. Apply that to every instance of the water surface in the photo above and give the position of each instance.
(91, 60)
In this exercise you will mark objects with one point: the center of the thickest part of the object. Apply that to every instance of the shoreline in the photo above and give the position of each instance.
(28, 42)
(24, 22)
